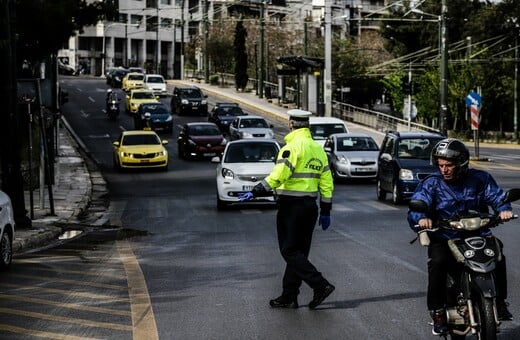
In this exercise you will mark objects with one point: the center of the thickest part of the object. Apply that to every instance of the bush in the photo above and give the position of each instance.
(213, 80)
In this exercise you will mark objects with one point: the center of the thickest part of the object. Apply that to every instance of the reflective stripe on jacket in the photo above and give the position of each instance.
(302, 168)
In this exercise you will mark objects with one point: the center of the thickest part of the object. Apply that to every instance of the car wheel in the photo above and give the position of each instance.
(117, 166)
(396, 196)
(6, 251)
(335, 175)
(381, 194)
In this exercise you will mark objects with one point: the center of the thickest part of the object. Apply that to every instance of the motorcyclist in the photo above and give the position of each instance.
(455, 188)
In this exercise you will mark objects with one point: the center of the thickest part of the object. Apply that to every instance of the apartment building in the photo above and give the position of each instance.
(152, 33)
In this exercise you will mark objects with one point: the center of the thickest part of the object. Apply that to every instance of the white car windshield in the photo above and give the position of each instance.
(261, 152)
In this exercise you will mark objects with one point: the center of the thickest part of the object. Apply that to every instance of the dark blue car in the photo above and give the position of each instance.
(223, 114)
(404, 160)
(161, 119)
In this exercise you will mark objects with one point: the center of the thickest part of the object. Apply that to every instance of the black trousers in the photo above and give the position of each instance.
(441, 262)
(295, 224)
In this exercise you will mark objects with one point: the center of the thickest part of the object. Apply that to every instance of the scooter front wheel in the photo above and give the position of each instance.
(485, 317)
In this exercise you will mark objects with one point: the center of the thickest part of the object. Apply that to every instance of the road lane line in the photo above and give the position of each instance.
(86, 273)
(143, 319)
(68, 305)
(73, 282)
(58, 318)
(41, 334)
(105, 298)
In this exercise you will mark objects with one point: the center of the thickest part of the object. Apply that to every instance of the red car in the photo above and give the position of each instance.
(200, 139)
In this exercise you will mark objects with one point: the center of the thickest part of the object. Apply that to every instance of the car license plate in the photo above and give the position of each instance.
(363, 169)
(145, 160)
(207, 154)
(247, 187)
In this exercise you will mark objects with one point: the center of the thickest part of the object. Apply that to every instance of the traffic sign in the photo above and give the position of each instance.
(473, 98)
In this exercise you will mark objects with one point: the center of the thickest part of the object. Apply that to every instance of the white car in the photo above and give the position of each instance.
(323, 127)
(156, 83)
(243, 165)
(7, 226)
(250, 127)
(352, 156)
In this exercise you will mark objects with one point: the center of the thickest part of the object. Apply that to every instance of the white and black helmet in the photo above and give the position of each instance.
(453, 150)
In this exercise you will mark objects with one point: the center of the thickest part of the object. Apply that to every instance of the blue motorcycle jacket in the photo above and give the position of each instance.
(476, 190)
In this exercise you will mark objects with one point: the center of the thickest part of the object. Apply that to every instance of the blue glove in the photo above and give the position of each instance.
(246, 196)
(324, 222)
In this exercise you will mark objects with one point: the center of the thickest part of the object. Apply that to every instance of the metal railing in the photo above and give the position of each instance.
(373, 119)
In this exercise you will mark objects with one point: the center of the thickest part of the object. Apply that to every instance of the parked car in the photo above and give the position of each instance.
(323, 127)
(200, 139)
(140, 149)
(189, 100)
(132, 80)
(160, 119)
(244, 163)
(352, 155)
(7, 229)
(250, 127)
(137, 97)
(117, 77)
(223, 114)
(403, 161)
(156, 83)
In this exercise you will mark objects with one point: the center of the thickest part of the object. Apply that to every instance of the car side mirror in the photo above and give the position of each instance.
(327, 149)
(271, 126)
(116, 143)
(164, 142)
(215, 159)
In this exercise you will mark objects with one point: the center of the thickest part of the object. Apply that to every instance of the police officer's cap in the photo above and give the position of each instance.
(297, 114)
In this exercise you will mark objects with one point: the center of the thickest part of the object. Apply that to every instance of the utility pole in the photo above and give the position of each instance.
(10, 150)
(182, 40)
(262, 43)
(158, 23)
(443, 86)
(327, 81)
(205, 28)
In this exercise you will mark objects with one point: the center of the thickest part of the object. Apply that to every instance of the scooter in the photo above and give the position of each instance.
(471, 301)
(113, 109)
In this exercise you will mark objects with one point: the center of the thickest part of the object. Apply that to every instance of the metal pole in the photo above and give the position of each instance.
(158, 23)
(443, 86)
(205, 27)
(262, 29)
(515, 100)
(182, 40)
(327, 80)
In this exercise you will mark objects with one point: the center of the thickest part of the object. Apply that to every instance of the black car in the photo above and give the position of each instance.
(404, 160)
(223, 114)
(117, 77)
(189, 100)
(161, 118)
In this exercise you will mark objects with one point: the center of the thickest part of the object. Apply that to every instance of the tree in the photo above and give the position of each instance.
(240, 56)
(43, 27)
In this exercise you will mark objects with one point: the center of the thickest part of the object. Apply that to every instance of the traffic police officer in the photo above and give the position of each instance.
(300, 175)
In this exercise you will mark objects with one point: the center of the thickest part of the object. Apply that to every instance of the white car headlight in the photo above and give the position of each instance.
(224, 141)
(185, 101)
(270, 134)
(406, 175)
(246, 134)
(227, 174)
(204, 102)
(342, 159)
(169, 119)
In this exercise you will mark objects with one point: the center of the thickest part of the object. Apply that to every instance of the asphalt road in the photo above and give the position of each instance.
(209, 275)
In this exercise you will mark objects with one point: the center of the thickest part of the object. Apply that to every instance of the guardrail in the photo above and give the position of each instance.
(374, 119)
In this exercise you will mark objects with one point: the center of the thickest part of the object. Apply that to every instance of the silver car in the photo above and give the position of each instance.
(352, 155)
(244, 164)
(250, 127)
(7, 226)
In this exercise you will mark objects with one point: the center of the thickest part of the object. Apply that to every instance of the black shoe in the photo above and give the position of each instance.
(440, 323)
(320, 295)
(284, 302)
(503, 313)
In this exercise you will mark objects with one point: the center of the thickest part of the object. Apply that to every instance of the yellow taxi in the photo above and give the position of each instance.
(134, 98)
(140, 149)
(132, 80)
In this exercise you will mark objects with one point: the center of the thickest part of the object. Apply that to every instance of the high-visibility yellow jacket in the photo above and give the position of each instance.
(302, 168)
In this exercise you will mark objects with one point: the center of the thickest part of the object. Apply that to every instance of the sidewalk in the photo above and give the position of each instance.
(79, 196)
